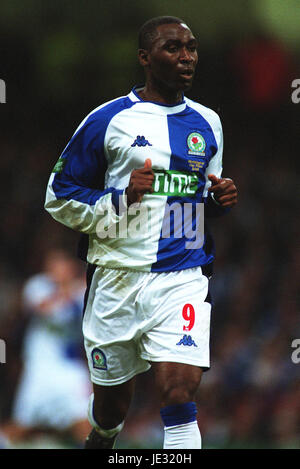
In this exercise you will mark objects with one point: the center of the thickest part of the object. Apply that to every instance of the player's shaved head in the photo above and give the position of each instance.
(148, 31)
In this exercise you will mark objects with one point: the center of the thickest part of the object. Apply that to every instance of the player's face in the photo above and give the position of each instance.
(173, 57)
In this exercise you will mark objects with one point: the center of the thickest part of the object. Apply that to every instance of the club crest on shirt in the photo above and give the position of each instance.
(196, 144)
(99, 359)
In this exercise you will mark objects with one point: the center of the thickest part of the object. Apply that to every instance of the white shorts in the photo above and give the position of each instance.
(133, 318)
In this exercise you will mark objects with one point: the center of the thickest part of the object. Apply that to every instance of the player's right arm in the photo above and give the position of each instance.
(75, 193)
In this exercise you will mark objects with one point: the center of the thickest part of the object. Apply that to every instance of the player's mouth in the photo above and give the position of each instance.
(186, 73)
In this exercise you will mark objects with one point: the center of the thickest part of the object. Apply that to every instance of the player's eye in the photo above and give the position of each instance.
(172, 49)
(192, 47)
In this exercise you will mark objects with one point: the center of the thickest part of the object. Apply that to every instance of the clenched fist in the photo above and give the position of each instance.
(140, 182)
(224, 190)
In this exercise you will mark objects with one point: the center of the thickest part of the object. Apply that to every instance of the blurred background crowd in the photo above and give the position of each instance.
(59, 61)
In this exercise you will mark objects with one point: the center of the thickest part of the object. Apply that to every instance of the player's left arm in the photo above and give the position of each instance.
(220, 194)
(224, 191)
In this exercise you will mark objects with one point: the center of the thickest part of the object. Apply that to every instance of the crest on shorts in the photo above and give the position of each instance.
(99, 359)
(196, 144)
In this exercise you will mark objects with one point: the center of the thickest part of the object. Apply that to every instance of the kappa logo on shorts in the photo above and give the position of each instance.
(187, 340)
(99, 359)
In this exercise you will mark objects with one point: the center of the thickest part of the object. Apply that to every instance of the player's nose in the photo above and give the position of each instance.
(185, 56)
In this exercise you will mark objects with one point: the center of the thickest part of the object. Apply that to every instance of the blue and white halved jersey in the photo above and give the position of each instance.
(86, 188)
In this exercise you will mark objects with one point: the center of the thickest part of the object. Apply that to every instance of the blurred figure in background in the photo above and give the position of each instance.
(256, 312)
(53, 388)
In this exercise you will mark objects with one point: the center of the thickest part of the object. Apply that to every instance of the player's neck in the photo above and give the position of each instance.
(160, 95)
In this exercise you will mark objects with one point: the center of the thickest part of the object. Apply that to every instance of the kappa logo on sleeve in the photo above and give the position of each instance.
(99, 359)
(60, 164)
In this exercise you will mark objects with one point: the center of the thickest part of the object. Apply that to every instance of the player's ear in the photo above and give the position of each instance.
(143, 56)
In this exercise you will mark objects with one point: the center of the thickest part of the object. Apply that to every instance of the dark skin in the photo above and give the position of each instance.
(169, 66)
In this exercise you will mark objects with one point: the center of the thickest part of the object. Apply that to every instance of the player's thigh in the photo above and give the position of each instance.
(176, 383)
(111, 403)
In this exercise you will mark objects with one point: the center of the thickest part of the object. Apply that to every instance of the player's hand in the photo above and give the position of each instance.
(140, 182)
(224, 190)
